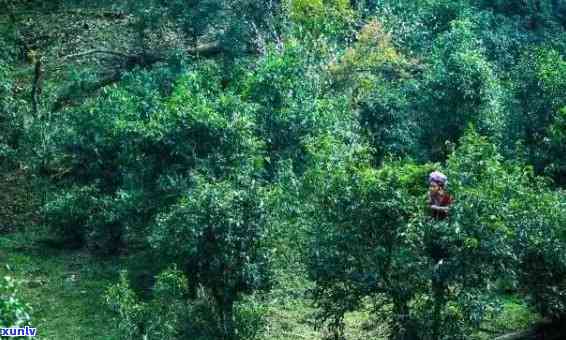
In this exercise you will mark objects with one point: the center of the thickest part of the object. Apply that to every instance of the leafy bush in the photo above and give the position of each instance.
(262, 131)
(371, 237)
(13, 311)
(68, 213)
(377, 78)
(540, 247)
(216, 232)
(288, 87)
(172, 314)
(357, 218)
(460, 88)
(322, 17)
(536, 14)
(235, 24)
(122, 159)
(557, 148)
(541, 84)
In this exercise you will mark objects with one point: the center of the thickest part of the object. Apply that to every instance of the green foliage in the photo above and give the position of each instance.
(129, 154)
(557, 148)
(216, 233)
(535, 13)
(541, 246)
(378, 76)
(170, 315)
(82, 216)
(67, 213)
(11, 124)
(461, 87)
(250, 316)
(298, 138)
(417, 23)
(371, 237)
(322, 17)
(289, 88)
(238, 26)
(356, 247)
(516, 314)
(130, 312)
(540, 95)
(538, 220)
(9, 37)
(13, 311)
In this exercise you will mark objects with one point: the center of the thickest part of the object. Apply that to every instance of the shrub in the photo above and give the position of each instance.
(556, 144)
(460, 87)
(67, 214)
(322, 17)
(288, 89)
(371, 237)
(377, 77)
(171, 313)
(14, 312)
(127, 156)
(216, 233)
(540, 246)
(540, 94)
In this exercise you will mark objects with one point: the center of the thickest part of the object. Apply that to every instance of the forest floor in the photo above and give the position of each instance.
(66, 289)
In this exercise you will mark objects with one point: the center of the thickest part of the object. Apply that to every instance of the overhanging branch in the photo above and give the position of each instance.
(87, 53)
(545, 329)
(127, 62)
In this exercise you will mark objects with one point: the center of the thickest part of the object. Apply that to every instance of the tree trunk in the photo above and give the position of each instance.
(403, 329)
(36, 86)
(438, 295)
(225, 308)
(227, 318)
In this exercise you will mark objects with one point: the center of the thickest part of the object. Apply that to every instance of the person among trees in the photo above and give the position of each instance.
(439, 200)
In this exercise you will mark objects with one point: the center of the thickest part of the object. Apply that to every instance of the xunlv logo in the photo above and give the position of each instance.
(18, 331)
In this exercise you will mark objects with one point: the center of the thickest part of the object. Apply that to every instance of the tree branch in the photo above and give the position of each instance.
(545, 329)
(89, 88)
(83, 54)
(129, 62)
(207, 50)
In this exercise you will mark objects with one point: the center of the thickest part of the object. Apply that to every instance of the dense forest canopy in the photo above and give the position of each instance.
(250, 148)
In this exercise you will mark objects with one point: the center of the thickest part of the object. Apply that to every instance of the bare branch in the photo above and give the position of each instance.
(129, 62)
(84, 54)
(207, 50)
(546, 328)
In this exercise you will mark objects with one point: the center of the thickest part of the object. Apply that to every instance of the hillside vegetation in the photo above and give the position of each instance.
(240, 169)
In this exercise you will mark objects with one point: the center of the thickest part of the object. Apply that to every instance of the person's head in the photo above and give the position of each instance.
(437, 181)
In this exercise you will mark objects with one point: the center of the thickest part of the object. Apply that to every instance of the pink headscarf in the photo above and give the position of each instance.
(438, 177)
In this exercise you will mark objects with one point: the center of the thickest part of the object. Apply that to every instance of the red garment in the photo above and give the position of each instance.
(441, 200)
